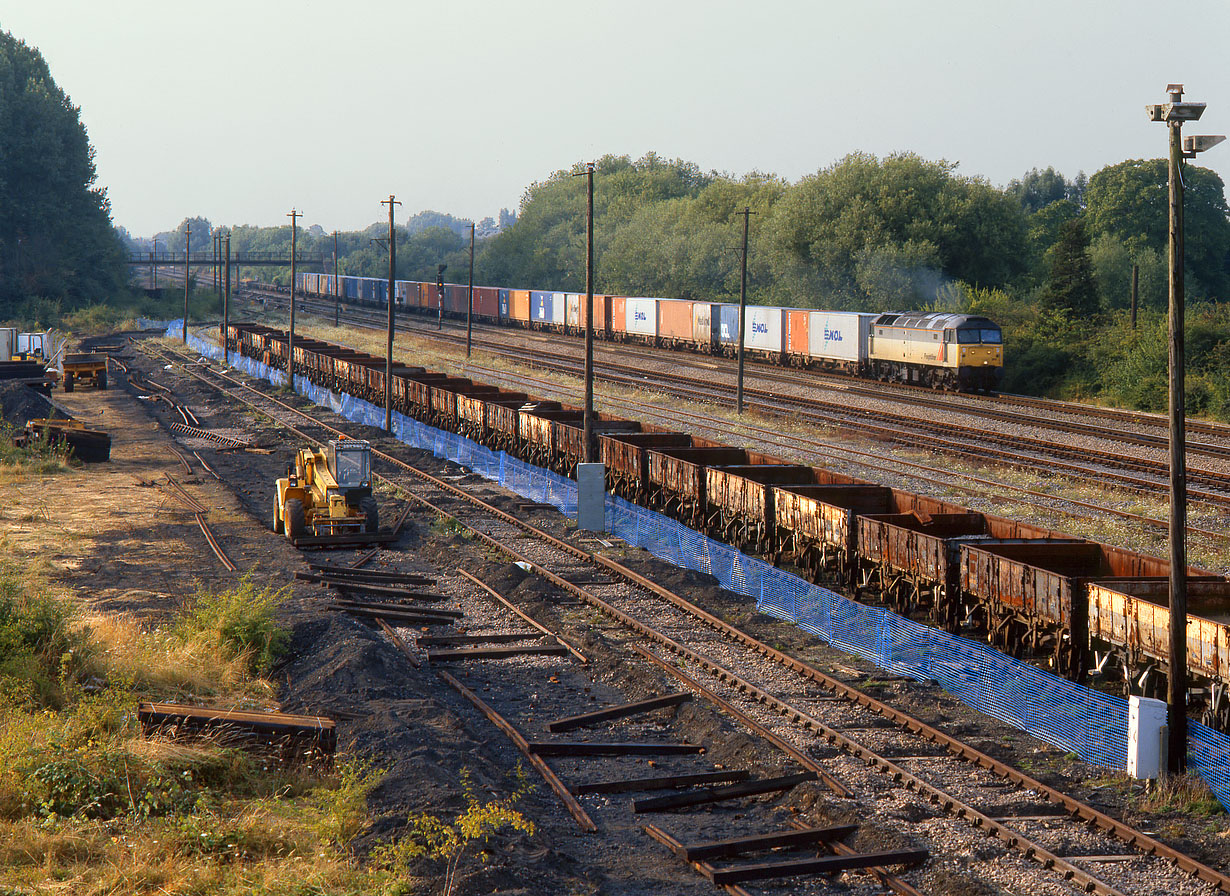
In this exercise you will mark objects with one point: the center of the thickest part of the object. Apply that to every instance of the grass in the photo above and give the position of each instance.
(38, 457)
(90, 805)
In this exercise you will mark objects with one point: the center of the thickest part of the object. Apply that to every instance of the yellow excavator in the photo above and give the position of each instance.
(328, 492)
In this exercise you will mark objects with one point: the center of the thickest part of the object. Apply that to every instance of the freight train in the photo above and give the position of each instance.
(943, 351)
(1030, 591)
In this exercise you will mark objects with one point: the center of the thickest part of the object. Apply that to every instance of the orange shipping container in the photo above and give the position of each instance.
(618, 325)
(519, 305)
(796, 333)
(674, 320)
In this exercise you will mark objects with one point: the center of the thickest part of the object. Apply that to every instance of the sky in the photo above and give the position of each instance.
(241, 111)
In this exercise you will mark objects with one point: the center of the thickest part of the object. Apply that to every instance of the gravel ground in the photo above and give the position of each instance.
(531, 701)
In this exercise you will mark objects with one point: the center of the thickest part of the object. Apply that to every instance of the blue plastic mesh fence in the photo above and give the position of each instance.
(1066, 715)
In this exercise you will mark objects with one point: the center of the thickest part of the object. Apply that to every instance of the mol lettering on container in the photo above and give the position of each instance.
(839, 336)
(641, 316)
(763, 330)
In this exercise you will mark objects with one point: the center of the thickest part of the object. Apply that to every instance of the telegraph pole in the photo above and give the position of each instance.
(294, 216)
(1173, 114)
(470, 298)
(1135, 285)
(187, 255)
(154, 264)
(388, 357)
(226, 303)
(591, 447)
(337, 300)
(746, 213)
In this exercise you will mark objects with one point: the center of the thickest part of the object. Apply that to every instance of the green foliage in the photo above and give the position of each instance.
(1129, 201)
(239, 621)
(343, 805)
(871, 228)
(1071, 284)
(56, 239)
(432, 838)
(1038, 189)
(40, 648)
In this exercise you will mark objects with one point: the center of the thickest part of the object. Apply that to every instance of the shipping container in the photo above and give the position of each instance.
(702, 326)
(547, 309)
(641, 317)
(725, 325)
(618, 310)
(764, 331)
(839, 338)
(675, 322)
(573, 319)
(486, 302)
(797, 345)
(505, 307)
(520, 306)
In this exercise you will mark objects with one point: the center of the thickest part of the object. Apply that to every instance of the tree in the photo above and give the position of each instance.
(1129, 202)
(201, 234)
(56, 238)
(865, 213)
(1038, 189)
(1071, 285)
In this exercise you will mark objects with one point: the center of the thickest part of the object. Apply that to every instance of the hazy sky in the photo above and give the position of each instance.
(240, 110)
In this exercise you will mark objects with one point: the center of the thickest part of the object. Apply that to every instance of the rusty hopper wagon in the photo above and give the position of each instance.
(911, 555)
(1033, 596)
(1027, 589)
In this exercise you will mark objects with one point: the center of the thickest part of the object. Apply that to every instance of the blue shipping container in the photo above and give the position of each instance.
(725, 322)
(504, 299)
(542, 307)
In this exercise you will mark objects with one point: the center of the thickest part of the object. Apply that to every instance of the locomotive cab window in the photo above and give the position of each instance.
(968, 337)
(992, 337)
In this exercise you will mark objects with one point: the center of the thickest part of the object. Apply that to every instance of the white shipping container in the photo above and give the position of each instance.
(641, 316)
(558, 307)
(572, 317)
(838, 335)
(763, 330)
(702, 324)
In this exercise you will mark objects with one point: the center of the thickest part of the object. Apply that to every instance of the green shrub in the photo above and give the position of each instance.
(239, 621)
(41, 648)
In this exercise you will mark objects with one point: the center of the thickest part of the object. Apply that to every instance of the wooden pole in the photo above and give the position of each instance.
(187, 254)
(290, 342)
(1135, 289)
(591, 446)
(470, 298)
(747, 212)
(388, 354)
(1176, 717)
(226, 302)
(337, 294)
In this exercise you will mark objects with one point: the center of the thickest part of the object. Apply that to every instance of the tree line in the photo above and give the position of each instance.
(1050, 258)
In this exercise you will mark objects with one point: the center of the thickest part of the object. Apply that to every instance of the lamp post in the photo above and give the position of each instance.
(1174, 113)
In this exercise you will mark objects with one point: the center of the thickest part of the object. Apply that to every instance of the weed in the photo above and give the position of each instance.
(1184, 795)
(239, 621)
(430, 837)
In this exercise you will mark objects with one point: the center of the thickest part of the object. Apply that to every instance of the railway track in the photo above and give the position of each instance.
(1046, 454)
(902, 433)
(895, 766)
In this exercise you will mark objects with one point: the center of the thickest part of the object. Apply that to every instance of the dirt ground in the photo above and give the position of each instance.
(117, 535)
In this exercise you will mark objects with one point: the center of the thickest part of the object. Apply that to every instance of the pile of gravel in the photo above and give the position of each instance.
(20, 404)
